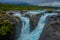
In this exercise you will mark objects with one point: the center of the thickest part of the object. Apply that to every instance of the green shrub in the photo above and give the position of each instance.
(5, 26)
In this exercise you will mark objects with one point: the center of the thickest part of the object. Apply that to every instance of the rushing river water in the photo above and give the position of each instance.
(35, 34)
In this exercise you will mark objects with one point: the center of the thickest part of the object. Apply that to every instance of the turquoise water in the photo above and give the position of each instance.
(35, 34)
(38, 30)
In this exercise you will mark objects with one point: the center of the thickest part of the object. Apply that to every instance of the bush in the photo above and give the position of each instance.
(5, 26)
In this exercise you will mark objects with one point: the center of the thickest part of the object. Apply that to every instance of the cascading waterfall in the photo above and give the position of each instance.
(35, 34)
(25, 28)
(38, 30)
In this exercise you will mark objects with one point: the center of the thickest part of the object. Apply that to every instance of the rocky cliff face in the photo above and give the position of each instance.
(18, 29)
(52, 29)
(33, 21)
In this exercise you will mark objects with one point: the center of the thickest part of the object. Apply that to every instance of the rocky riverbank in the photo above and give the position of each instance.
(52, 29)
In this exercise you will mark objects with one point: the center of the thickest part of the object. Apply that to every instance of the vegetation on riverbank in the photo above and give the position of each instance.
(6, 24)
(19, 7)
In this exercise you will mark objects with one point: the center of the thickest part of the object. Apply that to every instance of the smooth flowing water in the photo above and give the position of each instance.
(35, 34)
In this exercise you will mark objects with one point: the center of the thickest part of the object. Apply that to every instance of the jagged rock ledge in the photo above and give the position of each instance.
(52, 29)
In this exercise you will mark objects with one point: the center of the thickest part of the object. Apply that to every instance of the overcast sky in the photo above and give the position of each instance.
(31, 1)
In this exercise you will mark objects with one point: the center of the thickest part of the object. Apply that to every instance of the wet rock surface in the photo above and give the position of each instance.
(18, 29)
(52, 29)
(33, 21)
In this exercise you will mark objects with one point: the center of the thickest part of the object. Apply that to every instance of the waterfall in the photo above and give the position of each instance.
(38, 30)
(35, 34)
(25, 25)
(25, 28)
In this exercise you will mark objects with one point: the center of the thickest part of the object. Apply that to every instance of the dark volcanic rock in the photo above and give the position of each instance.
(52, 29)
(33, 21)
(18, 29)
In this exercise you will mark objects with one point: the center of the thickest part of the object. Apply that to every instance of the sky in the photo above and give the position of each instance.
(35, 2)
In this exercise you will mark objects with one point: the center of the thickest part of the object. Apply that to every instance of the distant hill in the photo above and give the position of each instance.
(18, 3)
